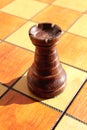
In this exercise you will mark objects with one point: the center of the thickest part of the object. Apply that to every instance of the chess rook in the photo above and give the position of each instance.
(46, 77)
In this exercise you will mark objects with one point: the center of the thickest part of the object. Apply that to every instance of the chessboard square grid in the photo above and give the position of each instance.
(78, 5)
(57, 15)
(9, 23)
(72, 86)
(13, 97)
(68, 123)
(17, 109)
(14, 62)
(80, 27)
(24, 113)
(3, 89)
(78, 107)
(72, 49)
(21, 37)
(4, 3)
(25, 9)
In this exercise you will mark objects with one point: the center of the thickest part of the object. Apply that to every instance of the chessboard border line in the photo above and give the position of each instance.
(83, 70)
(64, 113)
(69, 115)
(37, 100)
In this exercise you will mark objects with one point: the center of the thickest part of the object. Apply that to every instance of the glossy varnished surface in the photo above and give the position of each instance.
(19, 109)
(46, 77)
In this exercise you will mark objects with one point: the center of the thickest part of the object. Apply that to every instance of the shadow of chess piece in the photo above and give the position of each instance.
(46, 77)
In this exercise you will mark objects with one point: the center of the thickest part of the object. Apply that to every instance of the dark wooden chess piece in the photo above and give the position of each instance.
(46, 77)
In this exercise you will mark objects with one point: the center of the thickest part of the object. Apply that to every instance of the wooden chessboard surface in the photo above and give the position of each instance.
(19, 108)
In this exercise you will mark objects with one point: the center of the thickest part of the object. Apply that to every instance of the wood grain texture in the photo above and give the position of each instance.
(12, 97)
(46, 77)
(61, 16)
(4, 3)
(11, 58)
(22, 113)
(68, 123)
(78, 108)
(46, 1)
(71, 88)
(2, 89)
(80, 26)
(17, 110)
(24, 9)
(21, 37)
(73, 50)
(75, 4)
(9, 24)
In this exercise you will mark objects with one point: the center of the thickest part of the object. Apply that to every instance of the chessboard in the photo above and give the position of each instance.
(19, 108)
